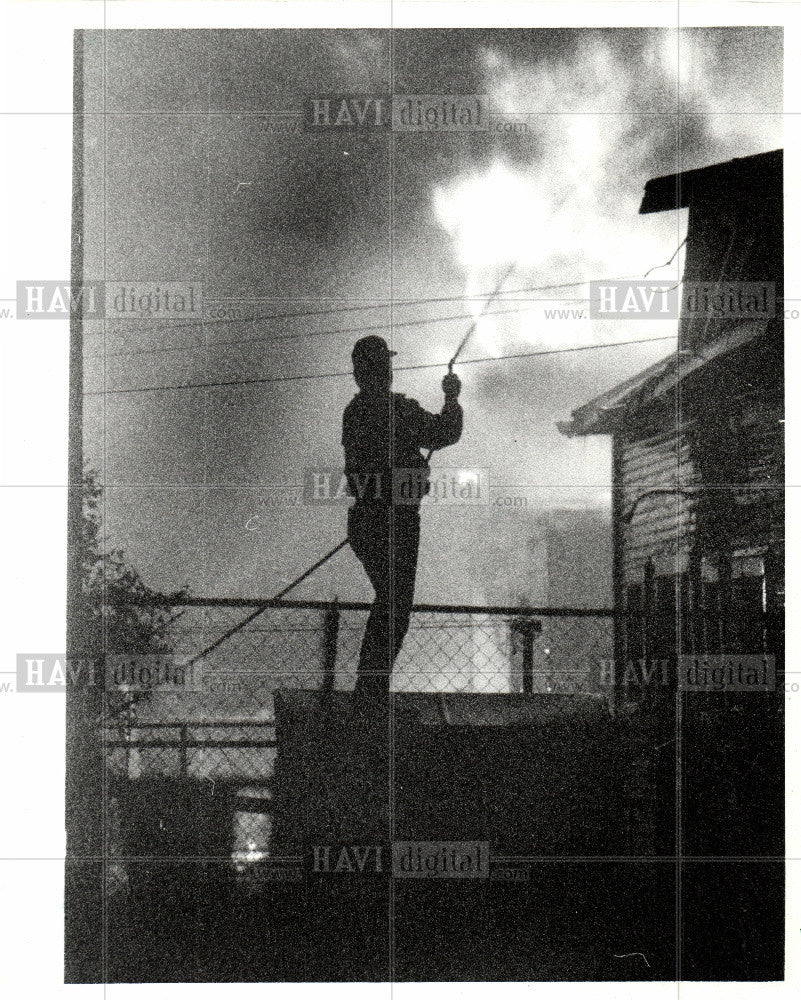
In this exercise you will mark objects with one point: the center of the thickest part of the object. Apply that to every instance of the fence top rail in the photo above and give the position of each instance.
(189, 724)
(444, 609)
(190, 744)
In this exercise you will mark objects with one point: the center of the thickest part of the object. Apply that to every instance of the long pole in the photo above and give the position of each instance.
(324, 559)
(474, 325)
(259, 611)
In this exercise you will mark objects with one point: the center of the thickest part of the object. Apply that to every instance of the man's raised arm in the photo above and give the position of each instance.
(439, 430)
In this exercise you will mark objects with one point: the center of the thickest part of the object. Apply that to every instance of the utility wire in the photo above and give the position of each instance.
(389, 304)
(377, 304)
(382, 304)
(311, 334)
(348, 374)
(656, 267)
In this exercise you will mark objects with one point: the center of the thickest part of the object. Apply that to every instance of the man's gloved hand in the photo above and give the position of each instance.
(451, 385)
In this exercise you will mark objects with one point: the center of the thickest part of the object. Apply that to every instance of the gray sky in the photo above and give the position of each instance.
(322, 220)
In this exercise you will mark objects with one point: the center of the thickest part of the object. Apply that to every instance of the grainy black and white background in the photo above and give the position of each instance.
(633, 834)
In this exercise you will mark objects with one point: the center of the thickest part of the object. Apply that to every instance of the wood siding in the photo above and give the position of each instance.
(657, 458)
(662, 523)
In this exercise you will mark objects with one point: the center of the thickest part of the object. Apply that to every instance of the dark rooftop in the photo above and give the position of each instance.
(759, 176)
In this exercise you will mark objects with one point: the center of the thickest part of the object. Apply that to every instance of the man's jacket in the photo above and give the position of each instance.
(383, 437)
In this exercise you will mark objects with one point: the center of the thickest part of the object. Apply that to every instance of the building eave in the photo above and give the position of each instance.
(756, 177)
(608, 412)
(601, 415)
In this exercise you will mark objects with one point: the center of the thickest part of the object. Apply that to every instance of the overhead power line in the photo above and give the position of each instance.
(355, 330)
(311, 334)
(347, 374)
(388, 304)
(668, 262)
(374, 304)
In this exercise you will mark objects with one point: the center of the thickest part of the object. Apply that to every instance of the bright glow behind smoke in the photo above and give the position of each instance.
(492, 217)
(568, 213)
(562, 204)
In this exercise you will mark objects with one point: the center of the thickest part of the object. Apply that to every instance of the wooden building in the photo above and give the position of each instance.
(697, 439)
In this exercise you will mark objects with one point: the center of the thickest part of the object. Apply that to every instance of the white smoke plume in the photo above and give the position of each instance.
(580, 134)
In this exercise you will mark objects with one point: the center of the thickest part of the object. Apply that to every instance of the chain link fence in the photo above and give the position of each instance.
(184, 761)
(503, 732)
(235, 670)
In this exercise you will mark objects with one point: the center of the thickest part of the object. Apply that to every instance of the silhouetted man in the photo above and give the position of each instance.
(383, 433)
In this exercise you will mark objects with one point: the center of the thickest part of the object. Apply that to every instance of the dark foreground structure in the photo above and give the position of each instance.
(573, 808)
(698, 438)
(628, 830)
(698, 533)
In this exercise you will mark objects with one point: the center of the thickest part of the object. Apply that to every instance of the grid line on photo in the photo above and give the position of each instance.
(222, 735)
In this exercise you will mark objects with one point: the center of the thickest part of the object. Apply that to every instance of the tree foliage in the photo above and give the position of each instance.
(122, 614)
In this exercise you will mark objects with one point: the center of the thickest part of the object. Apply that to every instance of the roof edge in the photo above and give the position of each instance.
(603, 414)
(760, 175)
